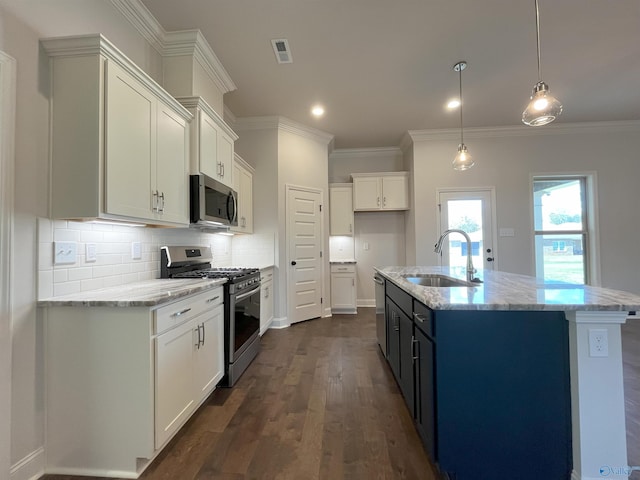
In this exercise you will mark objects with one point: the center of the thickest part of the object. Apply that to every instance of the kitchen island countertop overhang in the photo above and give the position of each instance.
(509, 291)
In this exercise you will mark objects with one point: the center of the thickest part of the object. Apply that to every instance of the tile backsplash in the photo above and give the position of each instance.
(114, 264)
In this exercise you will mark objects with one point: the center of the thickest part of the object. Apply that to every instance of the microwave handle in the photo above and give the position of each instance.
(232, 215)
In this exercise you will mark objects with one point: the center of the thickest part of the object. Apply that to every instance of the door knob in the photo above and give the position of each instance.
(294, 262)
(489, 259)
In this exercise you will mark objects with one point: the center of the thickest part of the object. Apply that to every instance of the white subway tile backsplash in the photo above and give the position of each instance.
(114, 265)
(82, 273)
(65, 288)
(60, 275)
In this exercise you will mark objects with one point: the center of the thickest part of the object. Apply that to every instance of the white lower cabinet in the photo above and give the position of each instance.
(266, 300)
(121, 381)
(188, 366)
(343, 289)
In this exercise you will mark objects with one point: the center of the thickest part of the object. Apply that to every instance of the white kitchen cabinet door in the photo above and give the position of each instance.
(225, 158)
(174, 392)
(395, 193)
(243, 185)
(366, 193)
(209, 354)
(130, 144)
(171, 168)
(343, 292)
(380, 191)
(341, 210)
(208, 154)
(266, 300)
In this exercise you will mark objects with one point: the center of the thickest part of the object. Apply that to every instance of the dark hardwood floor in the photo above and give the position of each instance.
(320, 403)
(317, 403)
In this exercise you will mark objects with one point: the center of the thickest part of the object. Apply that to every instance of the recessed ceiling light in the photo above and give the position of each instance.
(453, 103)
(317, 110)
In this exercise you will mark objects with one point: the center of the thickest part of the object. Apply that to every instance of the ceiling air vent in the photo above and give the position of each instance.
(282, 50)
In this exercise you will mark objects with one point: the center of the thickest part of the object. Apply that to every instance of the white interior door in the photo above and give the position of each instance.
(470, 210)
(304, 231)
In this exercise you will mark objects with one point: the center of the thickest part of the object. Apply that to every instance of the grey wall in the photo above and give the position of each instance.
(506, 159)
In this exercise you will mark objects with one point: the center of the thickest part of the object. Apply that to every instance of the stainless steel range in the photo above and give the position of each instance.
(241, 302)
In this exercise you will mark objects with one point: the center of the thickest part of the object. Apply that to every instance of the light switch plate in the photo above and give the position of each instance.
(65, 253)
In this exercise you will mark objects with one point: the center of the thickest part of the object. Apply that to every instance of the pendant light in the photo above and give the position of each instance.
(463, 160)
(543, 107)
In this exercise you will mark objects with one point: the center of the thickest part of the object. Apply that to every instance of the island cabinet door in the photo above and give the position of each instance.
(425, 402)
(393, 338)
(407, 349)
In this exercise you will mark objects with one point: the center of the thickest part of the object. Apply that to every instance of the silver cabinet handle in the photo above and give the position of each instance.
(154, 201)
(181, 312)
(161, 209)
(213, 299)
(418, 317)
(413, 349)
(384, 201)
(378, 201)
(197, 344)
(202, 332)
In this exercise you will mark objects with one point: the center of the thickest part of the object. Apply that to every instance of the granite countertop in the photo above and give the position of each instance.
(509, 291)
(149, 293)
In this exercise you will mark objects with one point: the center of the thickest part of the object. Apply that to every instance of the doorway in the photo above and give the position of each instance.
(305, 266)
(470, 210)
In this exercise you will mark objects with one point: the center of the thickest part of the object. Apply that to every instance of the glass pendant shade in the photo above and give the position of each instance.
(462, 160)
(543, 107)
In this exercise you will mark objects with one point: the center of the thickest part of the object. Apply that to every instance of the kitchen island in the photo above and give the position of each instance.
(511, 377)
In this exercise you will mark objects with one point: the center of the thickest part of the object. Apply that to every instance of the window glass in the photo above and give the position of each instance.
(560, 222)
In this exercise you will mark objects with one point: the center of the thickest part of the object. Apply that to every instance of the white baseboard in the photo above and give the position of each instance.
(280, 322)
(366, 302)
(30, 467)
(327, 312)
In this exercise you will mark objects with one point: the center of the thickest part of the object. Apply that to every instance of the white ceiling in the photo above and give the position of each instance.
(383, 67)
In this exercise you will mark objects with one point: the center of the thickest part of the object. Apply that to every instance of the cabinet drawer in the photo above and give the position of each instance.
(185, 309)
(340, 268)
(423, 317)
(266, 275)
(400, 297)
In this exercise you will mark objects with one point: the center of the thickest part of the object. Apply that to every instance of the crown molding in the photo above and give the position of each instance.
(97, 44)
(284, 124)
(375, 152)
(522, 131)
(143, 21)
(192, 42)
(185, 42)
(193, 103)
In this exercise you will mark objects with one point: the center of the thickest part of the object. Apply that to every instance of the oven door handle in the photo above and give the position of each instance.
(248, 294)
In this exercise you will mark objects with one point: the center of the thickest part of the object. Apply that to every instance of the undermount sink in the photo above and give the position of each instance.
(435, 280)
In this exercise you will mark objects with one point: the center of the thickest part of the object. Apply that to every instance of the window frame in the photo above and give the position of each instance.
(589, 231)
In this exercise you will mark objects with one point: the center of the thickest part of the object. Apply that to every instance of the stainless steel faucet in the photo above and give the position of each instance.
(470, 269)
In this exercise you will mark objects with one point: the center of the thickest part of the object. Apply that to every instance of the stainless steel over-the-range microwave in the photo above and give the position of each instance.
(212, 203)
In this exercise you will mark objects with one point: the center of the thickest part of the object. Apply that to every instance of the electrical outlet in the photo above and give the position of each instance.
(91, 251)
(136, 250)
(598, 342)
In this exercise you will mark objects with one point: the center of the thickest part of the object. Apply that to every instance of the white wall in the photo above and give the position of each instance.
(384, 232)
(505, 158)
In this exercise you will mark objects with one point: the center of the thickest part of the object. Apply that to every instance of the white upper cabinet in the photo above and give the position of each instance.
(380, 191)
(119, 142)
(212, 142)
(341, 209)
(243, 184)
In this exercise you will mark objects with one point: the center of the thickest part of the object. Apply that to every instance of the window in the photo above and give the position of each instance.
(562, 226)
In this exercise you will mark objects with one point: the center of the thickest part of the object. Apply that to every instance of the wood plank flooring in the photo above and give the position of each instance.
(317, 403)
(320, 403)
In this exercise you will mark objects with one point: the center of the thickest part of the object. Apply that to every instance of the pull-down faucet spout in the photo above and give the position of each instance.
(470, 269)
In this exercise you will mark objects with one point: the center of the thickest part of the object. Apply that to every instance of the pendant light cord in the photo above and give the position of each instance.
(538, 39)
(460, 76)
